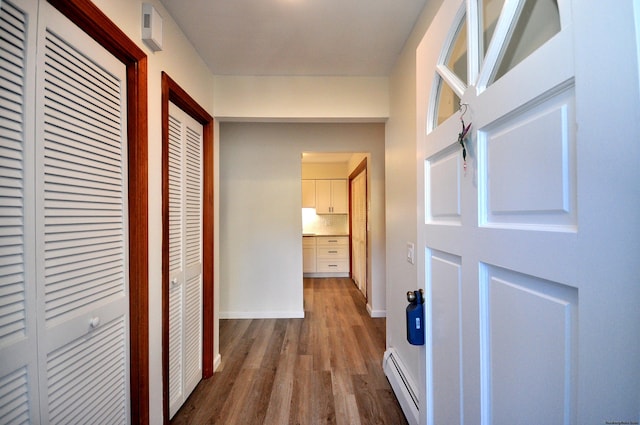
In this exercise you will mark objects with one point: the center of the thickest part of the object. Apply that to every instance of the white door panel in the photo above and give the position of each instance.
(18, 337)
(538, 144)
(541, 353)
(185, 256)
(176, 266)
(81, 207)
(502, 234)
(446, 333)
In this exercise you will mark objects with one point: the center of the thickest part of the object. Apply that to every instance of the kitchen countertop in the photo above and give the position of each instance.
(318, 234)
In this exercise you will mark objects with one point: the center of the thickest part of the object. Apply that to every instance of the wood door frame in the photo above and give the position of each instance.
(172, 92)
(355, 173)
(98, 26)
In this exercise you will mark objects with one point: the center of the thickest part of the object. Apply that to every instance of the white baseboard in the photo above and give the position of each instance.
(326, 274)
(262, 314)
(376, 313)
(403, 385)
(216, 362)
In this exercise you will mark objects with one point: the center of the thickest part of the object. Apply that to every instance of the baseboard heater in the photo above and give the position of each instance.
(402, 384)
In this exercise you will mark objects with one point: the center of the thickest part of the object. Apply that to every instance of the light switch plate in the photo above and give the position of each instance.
(411, 253)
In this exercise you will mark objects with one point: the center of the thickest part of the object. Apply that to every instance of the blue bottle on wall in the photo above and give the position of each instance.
(415, 317)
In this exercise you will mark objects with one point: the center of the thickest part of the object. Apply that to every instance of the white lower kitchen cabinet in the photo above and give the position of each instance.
(308, 254)
(331, 256)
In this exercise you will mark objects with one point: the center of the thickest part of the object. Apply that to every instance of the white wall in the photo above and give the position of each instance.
(181, 62)
(324, 170)
(401, 190)
(302, 98)
(260, 216)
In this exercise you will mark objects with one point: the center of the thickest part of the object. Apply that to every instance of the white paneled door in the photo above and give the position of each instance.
(185, 256)
(530, 287)
(64, 279)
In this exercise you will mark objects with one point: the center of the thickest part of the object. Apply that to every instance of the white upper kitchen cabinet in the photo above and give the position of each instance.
(308, 193)
(331, 196)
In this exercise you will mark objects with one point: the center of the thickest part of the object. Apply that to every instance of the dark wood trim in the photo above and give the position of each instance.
(164, 111)
(359, 169)
(98, 26)
(172, 92)
(362, 166)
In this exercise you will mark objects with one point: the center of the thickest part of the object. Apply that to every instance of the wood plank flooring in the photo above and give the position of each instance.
(323, 369)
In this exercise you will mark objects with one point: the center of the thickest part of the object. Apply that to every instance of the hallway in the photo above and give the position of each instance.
(325, 368)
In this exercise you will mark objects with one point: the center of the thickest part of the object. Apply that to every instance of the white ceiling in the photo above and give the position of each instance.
(297, 37)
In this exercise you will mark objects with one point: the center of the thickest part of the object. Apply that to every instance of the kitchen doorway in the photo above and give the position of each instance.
(334, 245)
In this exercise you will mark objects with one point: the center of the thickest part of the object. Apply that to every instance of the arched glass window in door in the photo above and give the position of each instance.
(530, 25)
(452, 73)
(510, 31)
(490, 13)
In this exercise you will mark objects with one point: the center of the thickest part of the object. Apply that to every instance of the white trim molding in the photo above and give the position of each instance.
(262, 314)
(403, 385)
(376, 313)
(217, 361)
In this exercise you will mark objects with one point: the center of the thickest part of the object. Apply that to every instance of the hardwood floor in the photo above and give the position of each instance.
(323, 369)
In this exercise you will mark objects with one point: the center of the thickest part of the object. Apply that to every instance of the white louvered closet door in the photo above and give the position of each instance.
(63, 236)
(185, 256)
(81, 222)
(18, 336)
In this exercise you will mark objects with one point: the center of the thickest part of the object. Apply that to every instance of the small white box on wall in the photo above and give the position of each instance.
(151, 27)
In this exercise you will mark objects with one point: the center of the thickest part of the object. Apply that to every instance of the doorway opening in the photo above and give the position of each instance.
(334, 216)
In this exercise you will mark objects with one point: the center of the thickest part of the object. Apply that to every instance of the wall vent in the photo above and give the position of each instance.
(151, 27)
